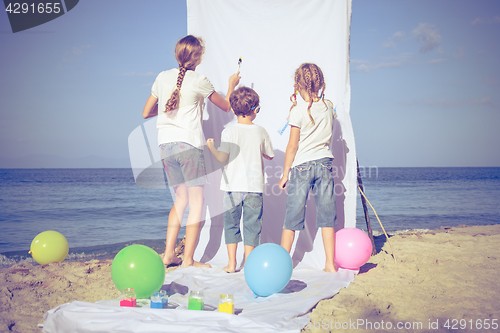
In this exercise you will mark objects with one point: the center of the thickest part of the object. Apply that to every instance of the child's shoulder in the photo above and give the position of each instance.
(261, 128)
(299, 110)
(256, 127)
(236, 127)
(329, 103)
(262, 132)
(190, 78)
(168, 73)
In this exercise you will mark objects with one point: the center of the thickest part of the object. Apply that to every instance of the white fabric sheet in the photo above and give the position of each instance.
(273, 38)
(286, 311)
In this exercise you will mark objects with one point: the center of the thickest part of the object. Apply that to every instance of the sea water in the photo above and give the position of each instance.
(429, 198)
(100, 211)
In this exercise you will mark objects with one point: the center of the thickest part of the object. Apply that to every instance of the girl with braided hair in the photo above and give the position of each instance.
(180, 94)
(309, 161)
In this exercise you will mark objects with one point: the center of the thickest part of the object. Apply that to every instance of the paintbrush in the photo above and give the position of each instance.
(239, 63)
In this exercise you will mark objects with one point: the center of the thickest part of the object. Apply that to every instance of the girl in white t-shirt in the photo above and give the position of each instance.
(180, 94)
(309, 160)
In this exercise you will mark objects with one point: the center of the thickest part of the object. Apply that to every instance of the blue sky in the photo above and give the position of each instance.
(424, 78)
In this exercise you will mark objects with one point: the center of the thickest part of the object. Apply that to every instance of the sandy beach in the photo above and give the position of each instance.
(443, 280)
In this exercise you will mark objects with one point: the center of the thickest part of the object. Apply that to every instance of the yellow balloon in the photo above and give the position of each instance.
(49, 246)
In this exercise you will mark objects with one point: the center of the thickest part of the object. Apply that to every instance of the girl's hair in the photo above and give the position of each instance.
(309, 77)
(188, 52)
(243, 100)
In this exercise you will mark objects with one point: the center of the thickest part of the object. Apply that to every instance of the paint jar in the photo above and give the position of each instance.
(226, 303)
(196, 300)
(128, 298)
(159, 300)
(164, 299)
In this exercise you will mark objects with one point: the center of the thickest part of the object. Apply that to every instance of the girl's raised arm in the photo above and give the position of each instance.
(223, 103)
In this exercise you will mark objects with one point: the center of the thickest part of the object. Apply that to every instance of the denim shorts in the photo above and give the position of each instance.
(183, 164)
(251, 205)
(317, 176)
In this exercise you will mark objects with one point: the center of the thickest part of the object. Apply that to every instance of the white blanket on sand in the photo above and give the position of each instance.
(287, 311)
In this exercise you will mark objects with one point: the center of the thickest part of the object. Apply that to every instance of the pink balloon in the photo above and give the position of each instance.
(353, 248)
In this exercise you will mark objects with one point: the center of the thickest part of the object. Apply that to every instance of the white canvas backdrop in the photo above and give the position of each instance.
(274, 38)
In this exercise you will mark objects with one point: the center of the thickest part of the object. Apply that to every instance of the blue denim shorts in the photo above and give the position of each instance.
(250, 204)
(317, 176)
(183, 164)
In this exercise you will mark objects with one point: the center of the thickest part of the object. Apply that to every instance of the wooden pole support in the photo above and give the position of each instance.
(365, 209)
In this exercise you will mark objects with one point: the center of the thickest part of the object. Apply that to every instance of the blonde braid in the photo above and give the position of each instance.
(293, 98)
(323, 95)
(319, 83)
(308, 82)
(173, 102)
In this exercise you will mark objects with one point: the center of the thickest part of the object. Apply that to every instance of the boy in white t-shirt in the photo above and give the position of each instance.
(243, 146)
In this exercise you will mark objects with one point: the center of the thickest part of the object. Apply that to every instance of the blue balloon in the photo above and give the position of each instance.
(268, 269)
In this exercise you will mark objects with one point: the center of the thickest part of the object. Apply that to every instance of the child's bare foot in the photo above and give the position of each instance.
(171, 260)
(230, 268)
(329, 268)
(195, 264)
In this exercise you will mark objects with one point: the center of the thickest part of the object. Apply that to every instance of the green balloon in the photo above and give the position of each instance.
(49, 246)
(139, 267)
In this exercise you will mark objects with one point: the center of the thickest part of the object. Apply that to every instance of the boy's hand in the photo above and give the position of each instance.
(210, 143)
(283, 181)
(219, 155)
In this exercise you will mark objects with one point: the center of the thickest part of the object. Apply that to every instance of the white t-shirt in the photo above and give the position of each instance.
(314, 142)
(245, 145)
(185, 123)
